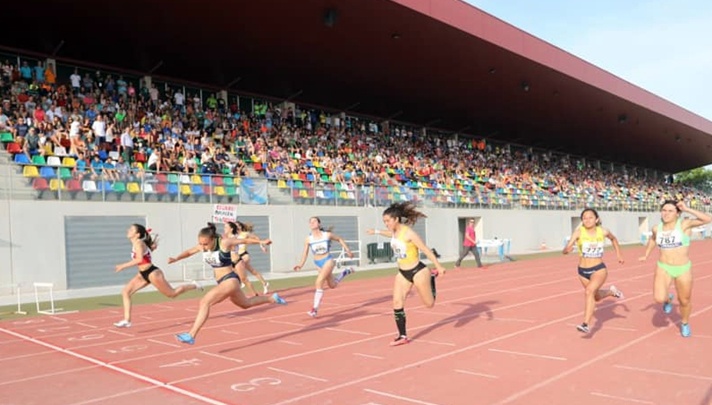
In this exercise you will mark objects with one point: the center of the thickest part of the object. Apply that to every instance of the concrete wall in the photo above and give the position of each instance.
(32, 234)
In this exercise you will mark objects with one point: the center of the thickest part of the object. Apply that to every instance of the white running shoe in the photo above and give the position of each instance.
(123, 324)
(312, 313)
(616, 292)
(265, 288)
(197, 285)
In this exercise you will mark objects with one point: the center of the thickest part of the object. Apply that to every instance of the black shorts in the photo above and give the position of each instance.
(409, 274)
(587, 272)
(145, 273)
(239, 258)
(229, 275)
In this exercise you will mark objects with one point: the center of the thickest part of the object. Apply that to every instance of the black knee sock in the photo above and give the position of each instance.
(432, 285)
(400, 321)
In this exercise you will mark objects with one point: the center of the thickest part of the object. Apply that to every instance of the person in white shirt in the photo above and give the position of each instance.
(99, 128)
(76, 80)
(128, 145)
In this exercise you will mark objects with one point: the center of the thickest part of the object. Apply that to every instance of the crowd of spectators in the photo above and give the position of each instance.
(121, 129)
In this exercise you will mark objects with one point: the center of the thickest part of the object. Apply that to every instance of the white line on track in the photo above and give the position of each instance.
(369, 356)
(540, 356)
(637, 401)
(309, 377)
(402, 398)
(476, 374)
(117, 369)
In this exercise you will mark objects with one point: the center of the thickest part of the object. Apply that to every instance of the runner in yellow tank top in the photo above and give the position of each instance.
(407, 245)
(590, 239)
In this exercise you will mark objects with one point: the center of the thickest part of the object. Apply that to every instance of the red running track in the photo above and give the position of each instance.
(504, 335)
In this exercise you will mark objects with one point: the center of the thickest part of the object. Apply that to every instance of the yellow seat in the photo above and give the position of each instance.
(281, 183)
(195, 179)
(56, 184)
(30, 171)
(133, 188)
(219, 190)
(185, 189)
(238, 180)
(69, 161)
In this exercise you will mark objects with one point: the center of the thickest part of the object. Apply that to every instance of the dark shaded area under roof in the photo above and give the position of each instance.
(436, 63)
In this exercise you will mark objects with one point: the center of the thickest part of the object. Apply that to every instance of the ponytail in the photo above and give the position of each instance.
(406, 212)
(145, 235)
(246, 226)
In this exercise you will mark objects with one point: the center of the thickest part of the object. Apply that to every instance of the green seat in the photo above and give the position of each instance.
(228, 181)
(231, 190)
(173, 178)
(6, 137)
(39, 160)
(119, 187)
(65, 173)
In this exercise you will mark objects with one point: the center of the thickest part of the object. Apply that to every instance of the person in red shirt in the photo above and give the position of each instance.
(469, 244)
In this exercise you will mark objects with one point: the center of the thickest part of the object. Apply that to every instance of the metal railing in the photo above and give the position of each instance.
(62, 183)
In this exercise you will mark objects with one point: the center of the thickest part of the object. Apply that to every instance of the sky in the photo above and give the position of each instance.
(664, 47)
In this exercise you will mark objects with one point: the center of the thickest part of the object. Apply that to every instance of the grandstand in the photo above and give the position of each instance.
(92, 127)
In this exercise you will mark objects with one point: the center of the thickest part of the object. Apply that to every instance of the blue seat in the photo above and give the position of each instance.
(48, 172)
(104, 186)
(207, 180)
(196, 189)
(172, 188)
(22, 159)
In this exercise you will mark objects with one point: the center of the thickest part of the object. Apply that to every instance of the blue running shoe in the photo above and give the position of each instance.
(185, 338)
(347, 271)
(685, 330)
(667, 307)
(278, 300)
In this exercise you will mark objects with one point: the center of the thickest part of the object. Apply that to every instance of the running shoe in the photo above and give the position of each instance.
(185, 338)
(400, 340)
(123, 324)
(312, 313)
(667, 306)
(685, 330)
(265, 288)
(279, 300)
(346, 272)
(583, 328)
(197, 285)
(616, 292)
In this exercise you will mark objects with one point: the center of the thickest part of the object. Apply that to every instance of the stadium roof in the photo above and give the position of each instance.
(437, 63)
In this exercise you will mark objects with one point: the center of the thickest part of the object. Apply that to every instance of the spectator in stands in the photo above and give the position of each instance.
(592, 272)
(672, 236)
(407, 246)
(31, 145)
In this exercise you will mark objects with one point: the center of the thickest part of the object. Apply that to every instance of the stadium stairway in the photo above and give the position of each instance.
(12, 183)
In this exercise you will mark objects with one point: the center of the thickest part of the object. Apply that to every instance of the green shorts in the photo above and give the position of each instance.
(675, 270)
